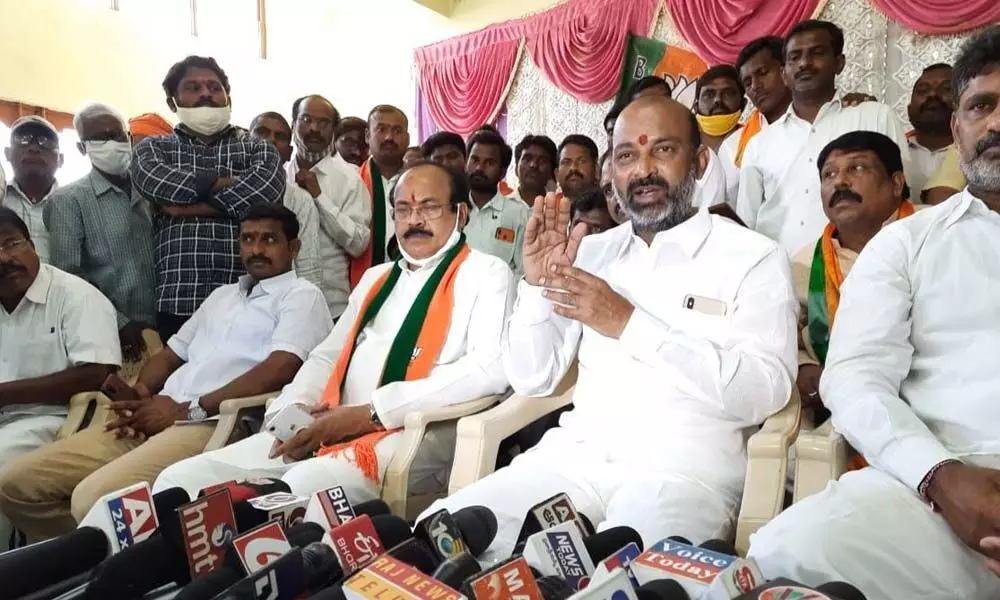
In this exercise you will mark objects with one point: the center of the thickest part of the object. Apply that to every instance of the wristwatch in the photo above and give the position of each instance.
(196, 412)
(373, 415)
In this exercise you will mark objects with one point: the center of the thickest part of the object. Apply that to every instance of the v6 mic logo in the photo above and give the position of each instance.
(261, 546)
(132, 516)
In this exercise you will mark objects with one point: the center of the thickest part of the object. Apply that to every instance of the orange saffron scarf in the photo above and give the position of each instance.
(374, 254)
(752, 127)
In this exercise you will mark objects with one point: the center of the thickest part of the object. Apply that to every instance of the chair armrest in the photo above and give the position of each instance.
(767, 470)
(152, 340)
(820, 457)
(79, 407)
(230, 413)
(395, 482)
(478, 437)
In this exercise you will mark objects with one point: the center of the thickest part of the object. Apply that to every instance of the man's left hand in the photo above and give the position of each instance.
(332, 426)
(145, 418)
(588, 299)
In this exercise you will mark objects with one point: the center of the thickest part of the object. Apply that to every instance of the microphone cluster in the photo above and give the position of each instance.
(256, 540)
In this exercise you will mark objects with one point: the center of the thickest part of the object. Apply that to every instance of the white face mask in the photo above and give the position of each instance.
(110, 157)
(420, 263)
(206, 120)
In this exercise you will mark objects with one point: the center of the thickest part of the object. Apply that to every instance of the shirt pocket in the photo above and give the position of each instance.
(42, 355)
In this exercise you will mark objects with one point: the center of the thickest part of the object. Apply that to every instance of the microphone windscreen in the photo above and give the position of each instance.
(841, 590)
(136, 570)
(588, 527)
(478, 526)
(680, 539)
(662, 589)
(605, 543)
(721, 546)
(35, 567)
(210, 584)
(372, 508)
(302, 534)
(321, 564)
(454, 571)
(416, 553)
(554, 588)
(391, 530)
(335, 592)
(251, 488)
(167, 501)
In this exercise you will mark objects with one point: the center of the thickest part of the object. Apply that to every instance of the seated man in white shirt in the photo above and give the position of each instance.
(779, 189)
(684, 327)
(336, 190)
(58, 337)
(418, 334)
(911, 382)
(247, 338)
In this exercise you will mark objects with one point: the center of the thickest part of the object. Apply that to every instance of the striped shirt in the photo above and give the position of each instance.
(32, 213)
(195, 255)
(104, 235)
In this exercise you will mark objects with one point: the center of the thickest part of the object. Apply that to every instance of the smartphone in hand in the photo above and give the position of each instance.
(118, 390)
(289, 421)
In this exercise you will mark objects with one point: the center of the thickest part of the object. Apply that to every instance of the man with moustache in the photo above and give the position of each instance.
(779, 192)
(350, 141)
(338, 193)
(422, 332)
(607, 188)
(35, 157)
(911, 382)
(535, 157)
(200, 181)
(496, 222)
(388, 136)
(247, 338)
(59, 337)
(577, 168)
(930, 114)
(683, 324)
(446, 148)
(719, 104)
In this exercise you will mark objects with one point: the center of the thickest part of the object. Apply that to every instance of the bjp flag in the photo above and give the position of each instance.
(646, 56)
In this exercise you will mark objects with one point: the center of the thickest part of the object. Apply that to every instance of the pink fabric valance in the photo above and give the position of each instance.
(578, 45)
(938, 17)
(719, 29)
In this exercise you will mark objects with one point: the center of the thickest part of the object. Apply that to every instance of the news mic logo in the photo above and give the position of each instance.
(207, 526)
(132, 516)
(262, 546)
(445, 535)
(568, 558)
(336, 506)
(356, 543)
(512, 580)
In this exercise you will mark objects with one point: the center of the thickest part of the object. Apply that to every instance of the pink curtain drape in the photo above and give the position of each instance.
(718, 30)
(579, 46)
(938, 17)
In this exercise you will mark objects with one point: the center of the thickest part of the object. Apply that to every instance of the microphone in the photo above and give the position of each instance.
(662, 589)
(388, 577)
(470, 529)
(738, 578)
(616, 585)
(417, 554)
(357, 542)
(681, 539)
(287, 509)
(554, 588)
(260, 546)
(692, 567)
(249, 488)
(786, 588)
(605, 544)
(560, 551)
(549, 513)
(126, 516)
(510, 579)
(282, 579)
(621, 559)
(330, 508)
(208, 525)
(720, 546)
(455, 570)
(35, 567)
(841, 590)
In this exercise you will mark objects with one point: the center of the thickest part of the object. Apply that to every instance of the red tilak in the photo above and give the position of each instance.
(643, 139)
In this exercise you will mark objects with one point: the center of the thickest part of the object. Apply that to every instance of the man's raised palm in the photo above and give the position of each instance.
(547, 239)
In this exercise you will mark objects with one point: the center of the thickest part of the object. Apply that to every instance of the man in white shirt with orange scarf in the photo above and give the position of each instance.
(418, 334)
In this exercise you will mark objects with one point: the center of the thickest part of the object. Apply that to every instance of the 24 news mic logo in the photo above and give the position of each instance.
(132, 516)
(356, 543)
(207, 525)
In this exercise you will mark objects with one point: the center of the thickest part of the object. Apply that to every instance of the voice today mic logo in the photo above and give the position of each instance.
(132, 516)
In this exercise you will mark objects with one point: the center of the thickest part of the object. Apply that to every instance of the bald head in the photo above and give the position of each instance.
(656, 158)
(427, 207)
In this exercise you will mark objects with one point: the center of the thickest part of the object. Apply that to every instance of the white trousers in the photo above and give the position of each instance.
(19, 435)
(870, 530)
(656, 504)
(249, 458)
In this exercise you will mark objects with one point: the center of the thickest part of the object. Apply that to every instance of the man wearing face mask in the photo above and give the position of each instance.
(418, 333)
(719, 105)
(201, 180)
(335, 189)
(100, 227)
(34, 155)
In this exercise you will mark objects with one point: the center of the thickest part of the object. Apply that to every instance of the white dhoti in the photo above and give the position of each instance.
(870, 530)
(19, 435)
(656, 504)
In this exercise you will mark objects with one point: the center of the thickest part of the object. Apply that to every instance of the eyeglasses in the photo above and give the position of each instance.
(46, 142)
(427, 213)
(321, 122)
(13, 247)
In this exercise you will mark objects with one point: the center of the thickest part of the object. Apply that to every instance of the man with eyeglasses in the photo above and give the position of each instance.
(100, 227)
(59, 337)
(419, 333)
(34, 156)
(334, 187)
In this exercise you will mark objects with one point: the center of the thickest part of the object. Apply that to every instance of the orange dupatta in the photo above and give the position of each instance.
(434, 325)
(752, 127)
(374, 254)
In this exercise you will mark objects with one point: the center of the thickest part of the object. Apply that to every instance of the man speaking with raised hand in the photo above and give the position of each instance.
(684, 327)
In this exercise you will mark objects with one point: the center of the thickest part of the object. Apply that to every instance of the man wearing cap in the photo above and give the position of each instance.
(34, 156)
(100, 228)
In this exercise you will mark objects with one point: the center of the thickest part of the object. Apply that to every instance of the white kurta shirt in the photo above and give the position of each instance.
(727, 154)
(779, 192)
(711, 188)
(498, 229)
(233, 332)
(911, 375)
(925, 164)
(344, 211)
(707, 355)
(33, 215)
(308, 264)
(61, 322)
(469, 364)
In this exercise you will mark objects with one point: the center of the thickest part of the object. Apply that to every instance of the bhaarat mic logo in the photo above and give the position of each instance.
(387, 577)
(133, 517)
(356, 543)
(687, 561)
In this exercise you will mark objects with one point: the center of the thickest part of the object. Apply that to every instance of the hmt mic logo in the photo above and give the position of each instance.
(207, 525)
(132, 516)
